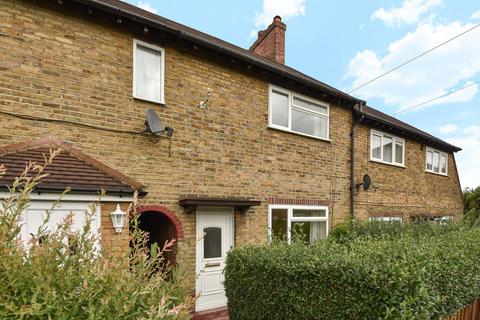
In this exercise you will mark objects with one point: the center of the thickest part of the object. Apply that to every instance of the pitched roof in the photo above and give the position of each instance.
(378, 116)
(138, 15)
(71, 168)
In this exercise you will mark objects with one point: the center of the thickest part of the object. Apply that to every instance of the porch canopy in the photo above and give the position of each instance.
(190, 203)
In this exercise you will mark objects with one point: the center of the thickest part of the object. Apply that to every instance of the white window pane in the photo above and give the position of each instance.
(436, 162)
(309, 123)
(309, 105)
(309, 231)
(443, 164)
(148, 73)
(429, 160)
(309, 213)
(279, 105)
(387, 149)
(376, 145)
(399, 152)
(279, 223)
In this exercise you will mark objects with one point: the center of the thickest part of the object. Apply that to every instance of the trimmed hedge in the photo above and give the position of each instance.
(406, 277)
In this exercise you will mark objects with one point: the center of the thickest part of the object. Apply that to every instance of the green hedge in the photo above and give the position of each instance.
(405, 277)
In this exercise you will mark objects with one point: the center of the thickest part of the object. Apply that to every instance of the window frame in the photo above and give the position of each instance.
(291, 95)
(137, 43)
(440, 154)
(291, 218)
(385, 218)
(395, 139)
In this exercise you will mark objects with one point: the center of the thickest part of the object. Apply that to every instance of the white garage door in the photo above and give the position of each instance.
(33, 217)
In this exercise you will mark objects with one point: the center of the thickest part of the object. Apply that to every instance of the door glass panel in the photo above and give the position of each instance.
(310, 231)
(279, 223)
(212, 242)
(279, 105)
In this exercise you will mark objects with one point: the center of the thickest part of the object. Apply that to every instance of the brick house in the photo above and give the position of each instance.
(257, 147)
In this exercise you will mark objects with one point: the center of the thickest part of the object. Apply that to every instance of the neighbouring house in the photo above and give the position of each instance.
(256, 147)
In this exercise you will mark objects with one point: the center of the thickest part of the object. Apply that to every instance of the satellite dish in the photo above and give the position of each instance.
(367, 182)
(153, 123)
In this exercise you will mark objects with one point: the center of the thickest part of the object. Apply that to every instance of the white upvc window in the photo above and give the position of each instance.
(148, 72)
(386, 219)
(293, 112)
(437, 161)
(308, 222)
(387, 148)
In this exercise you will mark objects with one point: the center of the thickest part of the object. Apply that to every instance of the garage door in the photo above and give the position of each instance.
(32, 218)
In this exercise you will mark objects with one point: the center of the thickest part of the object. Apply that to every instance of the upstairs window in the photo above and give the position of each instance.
(295, 113)
(387, 148)
(148, 72)
(437, 162)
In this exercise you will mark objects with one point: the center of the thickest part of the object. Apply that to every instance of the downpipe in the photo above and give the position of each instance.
(357, 117)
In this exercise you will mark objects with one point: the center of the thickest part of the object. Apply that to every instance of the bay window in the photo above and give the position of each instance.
(292, 112)
(437, 161)
(309, 223)
(387, 148)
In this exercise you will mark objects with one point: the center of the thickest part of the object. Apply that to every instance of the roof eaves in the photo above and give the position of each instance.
(416, 132)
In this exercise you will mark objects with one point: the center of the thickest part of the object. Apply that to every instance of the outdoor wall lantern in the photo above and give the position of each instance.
(118, 219)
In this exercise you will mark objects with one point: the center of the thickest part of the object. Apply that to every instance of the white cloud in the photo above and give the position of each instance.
(448, 129)
(475, 15)
(146, 6)
(439, 72)
(467, 159)
(409, 12)
(284, 8)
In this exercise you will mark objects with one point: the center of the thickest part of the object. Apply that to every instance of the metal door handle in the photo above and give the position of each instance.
(212, 264)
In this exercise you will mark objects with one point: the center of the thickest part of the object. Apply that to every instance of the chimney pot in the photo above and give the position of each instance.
(271, 41)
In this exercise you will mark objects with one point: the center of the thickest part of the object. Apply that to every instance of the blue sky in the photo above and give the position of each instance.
(346, 43)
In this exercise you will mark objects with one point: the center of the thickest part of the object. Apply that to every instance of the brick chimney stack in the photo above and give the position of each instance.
(271, 41)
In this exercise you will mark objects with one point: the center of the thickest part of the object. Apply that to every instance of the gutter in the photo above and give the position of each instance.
(356, 119)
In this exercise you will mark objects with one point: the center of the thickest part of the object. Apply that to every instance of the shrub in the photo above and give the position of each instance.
(362, 229)
(403, 277)
(67, 277)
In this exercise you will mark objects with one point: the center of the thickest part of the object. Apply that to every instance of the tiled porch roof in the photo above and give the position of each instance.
(71, 168)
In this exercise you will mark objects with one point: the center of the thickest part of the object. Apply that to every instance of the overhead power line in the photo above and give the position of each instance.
(438, 97)
(414, 58)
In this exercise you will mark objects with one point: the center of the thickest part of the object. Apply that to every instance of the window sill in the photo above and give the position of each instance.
(388, 163)
(159, 103)
(298, 134)
(438, 174)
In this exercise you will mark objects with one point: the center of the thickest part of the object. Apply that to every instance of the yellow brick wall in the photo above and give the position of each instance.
(408, 191)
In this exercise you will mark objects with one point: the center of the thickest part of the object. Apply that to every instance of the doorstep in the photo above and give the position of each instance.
(212, 314)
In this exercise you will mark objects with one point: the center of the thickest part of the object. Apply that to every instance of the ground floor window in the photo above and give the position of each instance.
(309, 223)
(386, 219)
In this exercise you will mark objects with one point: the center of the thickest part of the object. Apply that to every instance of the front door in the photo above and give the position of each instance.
(214, 240)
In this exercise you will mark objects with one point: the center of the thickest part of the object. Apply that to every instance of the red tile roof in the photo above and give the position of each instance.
(71, 168)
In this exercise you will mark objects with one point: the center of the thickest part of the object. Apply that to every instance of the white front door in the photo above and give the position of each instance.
(214, 240)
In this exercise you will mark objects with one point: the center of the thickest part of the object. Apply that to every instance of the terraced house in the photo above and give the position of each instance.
(252, 147)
